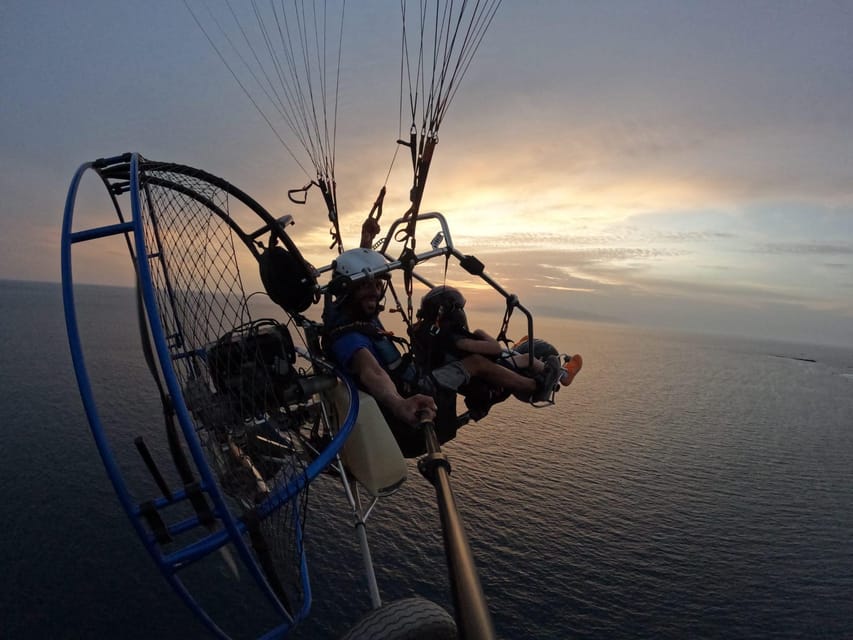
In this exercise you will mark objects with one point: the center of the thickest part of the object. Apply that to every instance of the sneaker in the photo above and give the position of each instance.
(547, 380)
(571, 368)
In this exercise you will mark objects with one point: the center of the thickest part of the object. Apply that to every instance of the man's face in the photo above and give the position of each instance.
(365, 298)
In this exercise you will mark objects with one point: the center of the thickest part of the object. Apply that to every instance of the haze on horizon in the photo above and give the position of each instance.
(680, 164)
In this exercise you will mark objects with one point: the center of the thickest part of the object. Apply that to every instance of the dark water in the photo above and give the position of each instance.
(683, 487)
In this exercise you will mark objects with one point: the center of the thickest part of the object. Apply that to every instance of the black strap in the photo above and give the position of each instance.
(178, 456)
(182, 464)
(152, 467)
(155, 522)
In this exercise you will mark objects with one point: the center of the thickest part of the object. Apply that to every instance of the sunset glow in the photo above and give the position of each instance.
(673, 172)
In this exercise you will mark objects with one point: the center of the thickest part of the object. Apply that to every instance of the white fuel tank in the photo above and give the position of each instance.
(371, 453)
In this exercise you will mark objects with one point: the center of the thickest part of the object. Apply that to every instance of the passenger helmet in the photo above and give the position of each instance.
(444, 305)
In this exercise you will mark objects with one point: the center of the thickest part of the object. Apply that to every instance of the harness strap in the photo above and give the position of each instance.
(403, 371)
(191, 486)
(367, 328)
(175, 448)
(370, 228)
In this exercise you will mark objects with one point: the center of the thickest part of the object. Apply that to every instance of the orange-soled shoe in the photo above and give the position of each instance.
(546, 382)
(571, 368)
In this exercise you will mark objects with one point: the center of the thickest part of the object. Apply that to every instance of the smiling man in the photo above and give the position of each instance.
(359, 343)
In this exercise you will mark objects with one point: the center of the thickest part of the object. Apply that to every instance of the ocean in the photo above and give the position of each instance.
(683, 486)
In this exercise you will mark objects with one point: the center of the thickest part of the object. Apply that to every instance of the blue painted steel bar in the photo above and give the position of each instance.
(197, 550)
(83, 380)
(101, 232)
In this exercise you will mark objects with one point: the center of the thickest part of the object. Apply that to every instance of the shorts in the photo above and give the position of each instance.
(450, 376)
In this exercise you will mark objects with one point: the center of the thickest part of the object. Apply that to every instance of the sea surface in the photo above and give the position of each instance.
(684, 486)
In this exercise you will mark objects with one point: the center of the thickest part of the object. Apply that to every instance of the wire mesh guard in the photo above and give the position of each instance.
(246, 395)
(251, 401)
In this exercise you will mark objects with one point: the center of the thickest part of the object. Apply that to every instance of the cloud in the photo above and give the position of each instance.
(703, 153)
(555, 287)
(803, 248)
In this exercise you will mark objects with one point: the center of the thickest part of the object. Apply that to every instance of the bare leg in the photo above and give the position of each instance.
(497, 375)
(521, 361)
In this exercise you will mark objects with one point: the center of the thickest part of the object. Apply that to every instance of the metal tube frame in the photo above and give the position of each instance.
(234, 529)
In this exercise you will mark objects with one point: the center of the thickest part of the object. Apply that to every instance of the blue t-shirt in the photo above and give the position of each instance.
(348, 343)
(345, 347)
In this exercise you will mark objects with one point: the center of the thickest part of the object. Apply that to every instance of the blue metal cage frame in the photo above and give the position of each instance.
(233, 530)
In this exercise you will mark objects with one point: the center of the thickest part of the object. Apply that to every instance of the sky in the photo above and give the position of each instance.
(673, 163)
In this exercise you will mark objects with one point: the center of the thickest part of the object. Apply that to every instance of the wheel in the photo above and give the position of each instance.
(408, 619)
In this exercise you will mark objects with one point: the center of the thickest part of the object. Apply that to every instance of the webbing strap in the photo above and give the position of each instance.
(155, 522)
(370, 228)
(175, 448)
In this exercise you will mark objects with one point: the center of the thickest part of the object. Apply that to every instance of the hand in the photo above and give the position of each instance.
(369, 230)
(370, 226)
(417, 409)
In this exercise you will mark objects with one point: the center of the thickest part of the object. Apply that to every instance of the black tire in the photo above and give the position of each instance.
(408, 619)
